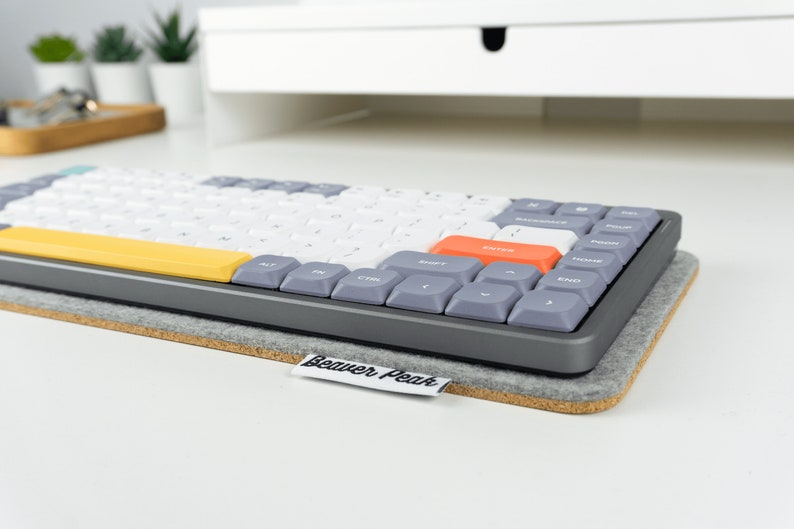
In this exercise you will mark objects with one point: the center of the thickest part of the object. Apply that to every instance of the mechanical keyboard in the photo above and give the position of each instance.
(521, 283)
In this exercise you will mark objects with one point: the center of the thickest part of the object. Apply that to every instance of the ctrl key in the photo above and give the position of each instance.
(548, 310)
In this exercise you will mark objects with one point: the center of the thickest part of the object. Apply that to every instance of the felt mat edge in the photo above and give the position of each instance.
(542, 403)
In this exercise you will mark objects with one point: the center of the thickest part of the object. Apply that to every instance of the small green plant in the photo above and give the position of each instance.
(56, 48)
(169, 45)
(114, 45)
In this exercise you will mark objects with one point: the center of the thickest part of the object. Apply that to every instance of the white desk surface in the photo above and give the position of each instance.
(100, 429)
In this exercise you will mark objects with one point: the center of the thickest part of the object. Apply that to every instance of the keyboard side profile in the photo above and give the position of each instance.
(499, 344)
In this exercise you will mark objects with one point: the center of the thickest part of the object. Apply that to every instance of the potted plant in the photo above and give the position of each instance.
(59, 64)
(118, 76)
(176, 81)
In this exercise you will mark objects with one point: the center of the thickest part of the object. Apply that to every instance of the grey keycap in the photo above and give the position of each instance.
(423, 293)
(522, 277)
(314, 279)
(266, 271)
(594, 212)
(47, 179)
(578, 225)
(588, 285)
(633, 229)
(222, 181)
(483, 301)
(649, 217)
(408, 262)
(549, 310)
(327, 190)
(619, 245)
(14, 192)
(24, 189)
(4, 226)
(366, 285)
(604, 264)
(255, 184)
(532, 205)
(290, 186)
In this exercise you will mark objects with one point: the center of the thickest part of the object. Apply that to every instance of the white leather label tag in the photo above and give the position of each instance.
(370, 376)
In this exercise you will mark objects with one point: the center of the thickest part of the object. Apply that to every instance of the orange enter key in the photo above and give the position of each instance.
(488, 251)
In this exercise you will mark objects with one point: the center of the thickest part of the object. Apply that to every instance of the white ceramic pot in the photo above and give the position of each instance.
(51, 76)
(177, 87)
(121, 83)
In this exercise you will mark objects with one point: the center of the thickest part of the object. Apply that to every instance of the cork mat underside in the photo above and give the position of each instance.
(598, 390)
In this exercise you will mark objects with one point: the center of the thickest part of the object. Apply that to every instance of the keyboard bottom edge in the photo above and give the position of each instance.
(562, 355)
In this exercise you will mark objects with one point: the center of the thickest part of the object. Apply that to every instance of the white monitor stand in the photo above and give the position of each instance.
(267, 69)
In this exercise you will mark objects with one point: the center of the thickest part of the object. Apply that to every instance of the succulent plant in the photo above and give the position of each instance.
(169, 45)
(56, 48)
(113, 45)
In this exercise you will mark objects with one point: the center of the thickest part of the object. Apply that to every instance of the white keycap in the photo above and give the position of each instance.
(215, 207)
(140, 200)
(302, 198)
(307, 251)
(433, 226)
(343, 203)
(403, 195)
(470, 212)
(192, 219)
(230, 192)
(268, 196)
(312, 232)
(53, 209)
(375, 220)
(333, 217)
(65, 224)
(354, 257)
(108, 199)
(219, 240)
(421, 210)
(418, 240)
(161, 194)
(496, 204)
(471, 228)
(391, 208)
(124, 213)
(563, 240)
(265, 244)
(93, 187)
(101, 227)
(366, 192)
(183, 236)
(291, 212)
(255, 210)
(444, 199)
(364, 236)
(177, 201)
(136, 231)
(230, 224)
(151, 221)
(19, 207)
(271, 226)
(66, 183)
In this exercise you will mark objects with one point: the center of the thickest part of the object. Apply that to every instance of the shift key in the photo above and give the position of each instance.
(408, 263)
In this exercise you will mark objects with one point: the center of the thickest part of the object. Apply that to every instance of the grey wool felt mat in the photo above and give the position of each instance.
(600, 389)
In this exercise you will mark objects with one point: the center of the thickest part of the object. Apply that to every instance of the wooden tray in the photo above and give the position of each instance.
(114, 121)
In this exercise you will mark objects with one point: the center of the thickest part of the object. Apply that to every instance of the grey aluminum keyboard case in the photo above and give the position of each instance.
(555, 353)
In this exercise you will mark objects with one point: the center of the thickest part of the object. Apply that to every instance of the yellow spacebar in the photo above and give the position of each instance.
(129, 254)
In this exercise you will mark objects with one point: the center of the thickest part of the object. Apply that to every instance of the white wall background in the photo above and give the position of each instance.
(22, 21)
